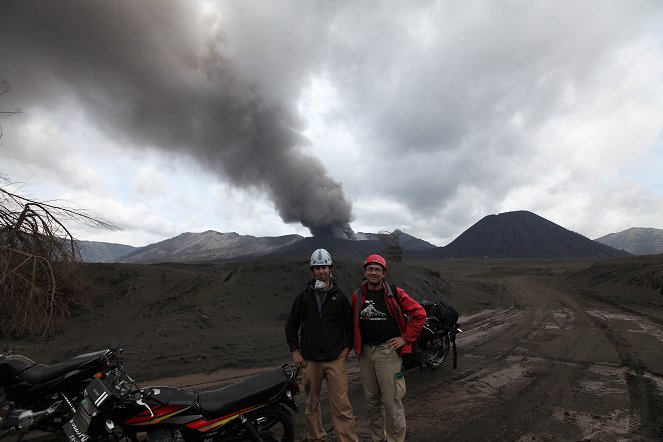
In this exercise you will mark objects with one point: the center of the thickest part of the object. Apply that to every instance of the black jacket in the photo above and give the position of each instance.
(320, 336)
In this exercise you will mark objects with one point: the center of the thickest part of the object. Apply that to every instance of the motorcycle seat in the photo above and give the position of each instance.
(40, 373)
(11, 366)
(235, 397)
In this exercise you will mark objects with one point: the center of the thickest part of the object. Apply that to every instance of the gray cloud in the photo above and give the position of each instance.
(147, 74)
(474, 81)
(458, 109)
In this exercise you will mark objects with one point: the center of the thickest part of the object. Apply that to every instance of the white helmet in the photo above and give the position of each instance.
(321, 257)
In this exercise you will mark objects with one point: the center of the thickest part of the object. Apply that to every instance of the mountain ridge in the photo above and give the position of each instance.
(636, 240)
(209, 246)
(518, 234)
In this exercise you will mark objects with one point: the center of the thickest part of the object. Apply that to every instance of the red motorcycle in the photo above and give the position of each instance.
(254, 409)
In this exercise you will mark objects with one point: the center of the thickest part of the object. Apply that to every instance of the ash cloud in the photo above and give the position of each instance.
(151, 75)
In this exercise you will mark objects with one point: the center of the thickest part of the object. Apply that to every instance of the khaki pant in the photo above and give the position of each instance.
(384, 388)
(337, 386)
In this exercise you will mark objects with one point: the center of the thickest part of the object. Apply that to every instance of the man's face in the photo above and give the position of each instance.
(321, 273)
(374, 273)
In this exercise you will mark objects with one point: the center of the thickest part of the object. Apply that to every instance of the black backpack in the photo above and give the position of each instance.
(446, 314)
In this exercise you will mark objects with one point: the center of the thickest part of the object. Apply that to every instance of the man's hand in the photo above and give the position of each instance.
(396, 343)
(298, 358)
(344, 353)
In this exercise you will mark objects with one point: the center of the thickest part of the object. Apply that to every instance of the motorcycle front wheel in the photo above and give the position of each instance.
(273, 423)
(438, 351)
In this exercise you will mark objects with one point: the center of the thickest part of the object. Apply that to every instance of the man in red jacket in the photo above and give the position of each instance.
(381, 335)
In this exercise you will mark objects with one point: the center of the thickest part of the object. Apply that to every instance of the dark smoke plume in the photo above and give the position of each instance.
(147, 74)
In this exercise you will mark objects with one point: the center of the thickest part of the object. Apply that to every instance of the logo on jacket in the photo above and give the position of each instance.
(370, 313)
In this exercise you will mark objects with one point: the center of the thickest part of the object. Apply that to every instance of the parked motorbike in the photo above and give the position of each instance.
(254, 409)
(39, 396)
(436, 339)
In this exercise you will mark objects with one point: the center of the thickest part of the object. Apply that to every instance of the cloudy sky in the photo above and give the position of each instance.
(271, 118)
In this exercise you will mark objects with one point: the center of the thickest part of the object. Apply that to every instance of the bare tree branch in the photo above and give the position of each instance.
(40, 279)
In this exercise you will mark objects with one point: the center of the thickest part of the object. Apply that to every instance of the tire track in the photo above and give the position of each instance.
(515, 388)
(645, 396)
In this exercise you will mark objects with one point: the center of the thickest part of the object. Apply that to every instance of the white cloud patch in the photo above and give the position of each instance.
(46, 148)
(151, 182)
(140, 224)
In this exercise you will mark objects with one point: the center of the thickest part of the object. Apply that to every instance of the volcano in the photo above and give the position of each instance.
(523, 234)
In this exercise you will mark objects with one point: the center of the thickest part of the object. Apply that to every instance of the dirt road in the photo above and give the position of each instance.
(539, 360)
(554, 365)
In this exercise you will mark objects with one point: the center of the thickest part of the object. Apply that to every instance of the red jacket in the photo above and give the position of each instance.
(410, 330)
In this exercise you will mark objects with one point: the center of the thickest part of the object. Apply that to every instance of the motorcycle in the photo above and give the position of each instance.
(254, 409)
(435, 340)
(437, 336)
(43, 397)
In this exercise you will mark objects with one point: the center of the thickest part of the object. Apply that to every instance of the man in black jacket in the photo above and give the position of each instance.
(319, 334)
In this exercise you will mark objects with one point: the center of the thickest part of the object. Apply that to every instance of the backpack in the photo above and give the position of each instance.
(446, 314)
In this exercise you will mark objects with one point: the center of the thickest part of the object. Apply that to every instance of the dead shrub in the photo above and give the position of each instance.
(41, 283)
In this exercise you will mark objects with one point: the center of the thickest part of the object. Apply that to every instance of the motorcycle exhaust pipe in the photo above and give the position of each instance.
(250, 428)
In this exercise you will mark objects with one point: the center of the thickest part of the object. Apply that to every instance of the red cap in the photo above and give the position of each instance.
(376, 259)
